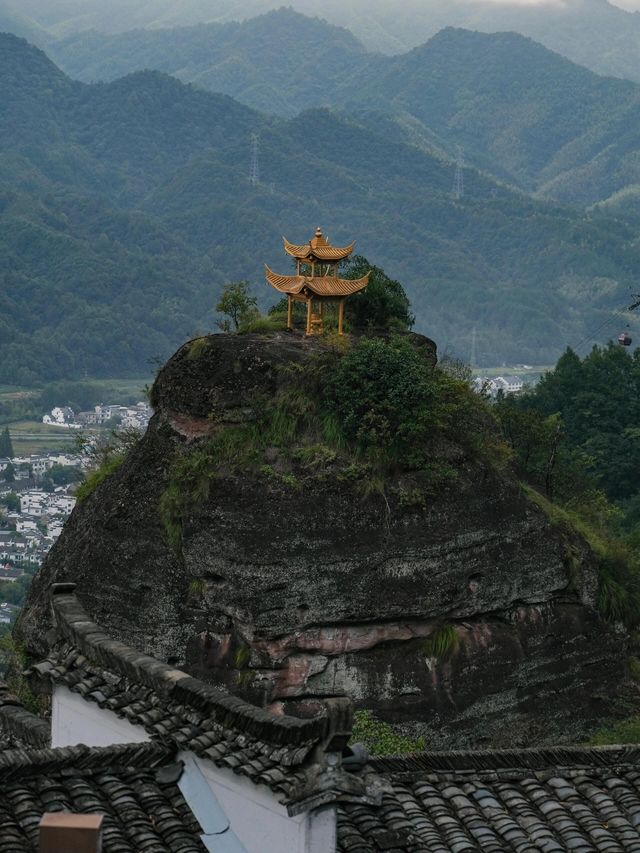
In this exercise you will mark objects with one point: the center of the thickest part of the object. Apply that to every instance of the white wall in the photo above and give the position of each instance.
(256, 817)
(74, 721)
(261, 823)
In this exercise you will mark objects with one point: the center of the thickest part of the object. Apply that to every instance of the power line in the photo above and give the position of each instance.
(458, 177)
(254, 170)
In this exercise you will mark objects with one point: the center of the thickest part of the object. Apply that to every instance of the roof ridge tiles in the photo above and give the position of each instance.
(75, 626)
(511, 760)
(20, 762)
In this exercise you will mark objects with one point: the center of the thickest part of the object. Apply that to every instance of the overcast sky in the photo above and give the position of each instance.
(624, 4)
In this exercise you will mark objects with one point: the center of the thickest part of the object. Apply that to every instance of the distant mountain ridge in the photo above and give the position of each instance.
(518, 110)
(266, 62)
(594, 33)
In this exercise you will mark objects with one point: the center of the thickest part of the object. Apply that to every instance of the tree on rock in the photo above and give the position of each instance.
(237, 304)
(384, 303)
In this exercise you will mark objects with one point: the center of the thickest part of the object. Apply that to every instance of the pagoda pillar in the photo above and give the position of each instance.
(340, 315)
(309, 303)
(289, 313)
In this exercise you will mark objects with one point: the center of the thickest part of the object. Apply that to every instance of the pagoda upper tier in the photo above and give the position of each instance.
(317, 249)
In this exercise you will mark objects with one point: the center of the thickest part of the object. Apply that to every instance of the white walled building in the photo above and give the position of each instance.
(161, 752)
(276, 781)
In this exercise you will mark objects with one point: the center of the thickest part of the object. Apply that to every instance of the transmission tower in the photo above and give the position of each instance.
(254, 171)
(458, 178)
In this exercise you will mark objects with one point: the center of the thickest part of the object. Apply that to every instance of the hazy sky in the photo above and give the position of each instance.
(623, 4)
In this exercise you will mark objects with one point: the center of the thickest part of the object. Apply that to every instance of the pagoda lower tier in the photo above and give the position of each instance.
(315, 291)
(304, 286)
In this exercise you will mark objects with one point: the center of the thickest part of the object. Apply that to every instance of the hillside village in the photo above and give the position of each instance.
(136, 417)
(37, 495)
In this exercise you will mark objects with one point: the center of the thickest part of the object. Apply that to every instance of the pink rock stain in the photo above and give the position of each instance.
(334, 641)
(190, 427)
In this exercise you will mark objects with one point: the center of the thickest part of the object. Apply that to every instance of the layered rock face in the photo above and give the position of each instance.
(287, 586)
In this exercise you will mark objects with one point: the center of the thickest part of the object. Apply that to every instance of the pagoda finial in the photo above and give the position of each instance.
(318, 231)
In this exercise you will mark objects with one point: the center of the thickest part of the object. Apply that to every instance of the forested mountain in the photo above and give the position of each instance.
(125, 206)
(281, 62)
(594, 33)
(518, 110)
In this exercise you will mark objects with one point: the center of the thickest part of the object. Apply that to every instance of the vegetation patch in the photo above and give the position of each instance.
(621, 731)
(362, 416)
(197, 347)
(618, 598)
(380, 738)
(13, 658)
(96, 477)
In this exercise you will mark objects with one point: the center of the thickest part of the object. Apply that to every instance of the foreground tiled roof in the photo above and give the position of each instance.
(124, 783)
(575, 799)
(281, 752)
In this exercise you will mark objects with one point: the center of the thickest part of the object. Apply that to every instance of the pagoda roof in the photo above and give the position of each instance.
(318, 247)
(321, 285)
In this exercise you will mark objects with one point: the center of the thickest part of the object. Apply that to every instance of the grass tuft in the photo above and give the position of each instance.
(96, 477)
(442, 643)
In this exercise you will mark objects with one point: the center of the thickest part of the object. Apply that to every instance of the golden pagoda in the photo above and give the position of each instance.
(316, 281)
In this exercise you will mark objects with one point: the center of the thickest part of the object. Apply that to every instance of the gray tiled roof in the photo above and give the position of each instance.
(121, 782)
(284, 753)
(576, 799)
(551, 800)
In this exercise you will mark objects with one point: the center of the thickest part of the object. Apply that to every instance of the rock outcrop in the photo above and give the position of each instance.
(288, 586)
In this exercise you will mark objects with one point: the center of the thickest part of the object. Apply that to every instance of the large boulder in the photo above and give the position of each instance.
(465, 615)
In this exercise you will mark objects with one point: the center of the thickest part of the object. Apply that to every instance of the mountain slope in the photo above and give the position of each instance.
(519, 111)
(125, 206)
(265, 62)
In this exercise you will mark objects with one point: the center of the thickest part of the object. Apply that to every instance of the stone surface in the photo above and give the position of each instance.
(288, 594)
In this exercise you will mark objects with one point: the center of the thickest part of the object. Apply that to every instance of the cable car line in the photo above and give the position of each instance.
(624, 339)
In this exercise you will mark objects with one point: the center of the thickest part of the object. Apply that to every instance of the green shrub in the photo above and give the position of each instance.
(259, 323)
(384, 303)
(241, 657)
(622, 731)
(386, 398)
(380, 738)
